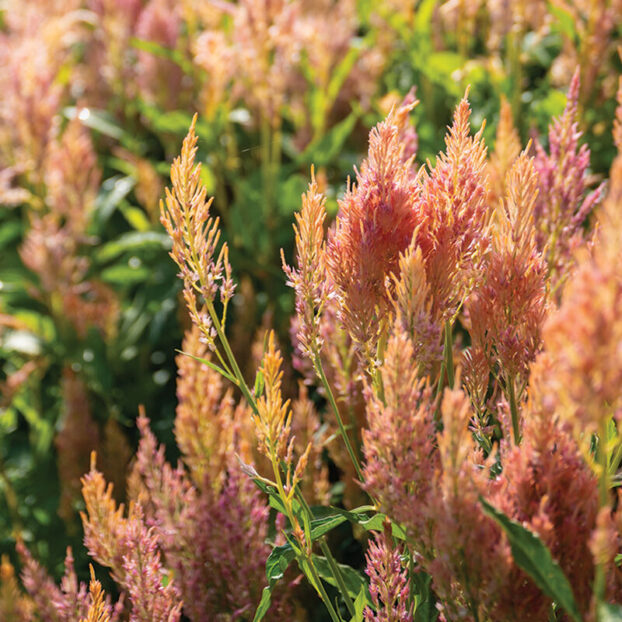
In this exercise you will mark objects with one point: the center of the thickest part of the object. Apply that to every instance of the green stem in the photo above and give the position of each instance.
(334, 568)
(230, 356)
(449, 355)
(603, 499)
(331, 398)
(439, 392)
(323, 594)
(513, 410)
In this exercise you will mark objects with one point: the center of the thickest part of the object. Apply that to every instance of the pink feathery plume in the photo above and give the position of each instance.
(388, 580)
(562, 207)
(375, 224)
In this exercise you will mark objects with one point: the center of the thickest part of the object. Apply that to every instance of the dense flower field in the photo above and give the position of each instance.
(405, 409)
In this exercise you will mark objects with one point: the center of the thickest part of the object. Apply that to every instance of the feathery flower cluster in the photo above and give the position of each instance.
(130, 549)
(431, 481)
(97, 611)
(561, 206)
(195, 234)
(399, 446)
(375, 224)
(583, 338)
(66, 603)
(213, 538)
(209, 427)
(309, 280)
(452, 213)
(507, 149)
(506, 311)
(388, 581)
(278, 53)
(52, 247)
(412, 306)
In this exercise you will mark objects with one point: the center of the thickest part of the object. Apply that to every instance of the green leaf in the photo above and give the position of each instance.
(112, 192)
(276, 565)
(277, 562)
(10, 232)
(133, 241)
(535, 559)
(359, 606)
(160, 51)
(125, 275)
(425, 609)
(273, 496)
(609, 613)
(323, 151)
(565, 21)
(211, 365)
(264, 604)
(354, 581)
(135, 217)
(97, 120)
(345, 66)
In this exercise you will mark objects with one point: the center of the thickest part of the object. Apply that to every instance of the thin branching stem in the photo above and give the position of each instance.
(331, 399)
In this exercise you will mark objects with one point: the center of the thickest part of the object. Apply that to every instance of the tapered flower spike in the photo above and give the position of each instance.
(562, 207)
(273, 420)
(582, 339)
(309, 280)
(209, 428)
(103, 521)
(399, 446)
(507, 149)
(196, 235)
(213, 533)
(388, 580)
(375, 224)
(506, 312)
(130, 549)
(98, 612)
(412, 306)
(452, 214)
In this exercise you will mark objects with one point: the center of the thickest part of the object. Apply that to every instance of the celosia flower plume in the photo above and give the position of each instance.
(375, 224)
(195, 234)
(451, 215)
(388, 581)
(562, 206)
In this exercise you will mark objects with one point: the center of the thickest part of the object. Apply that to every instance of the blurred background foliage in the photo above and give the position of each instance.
(96, 98)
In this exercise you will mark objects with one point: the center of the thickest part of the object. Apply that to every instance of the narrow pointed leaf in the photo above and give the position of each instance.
(535, 559)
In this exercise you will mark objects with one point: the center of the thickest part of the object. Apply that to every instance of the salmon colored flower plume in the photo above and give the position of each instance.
(212, 533)
(451, 215)
(130, 549)
(67, 603)
(375, 224)
(507, 149)
(506, 311)
(399, 445)
(412, 307)
(583, 339)
(209, 427)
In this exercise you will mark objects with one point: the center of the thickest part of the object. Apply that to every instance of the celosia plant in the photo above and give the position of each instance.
(463, 334)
